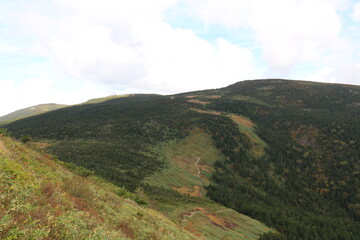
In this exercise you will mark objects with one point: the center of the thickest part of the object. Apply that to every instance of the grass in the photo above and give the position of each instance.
(41, 199)
(181, 158)
(247, 127)
(213, 221)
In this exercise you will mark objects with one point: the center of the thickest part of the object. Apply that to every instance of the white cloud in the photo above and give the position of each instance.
(182, 61)
(288, 31)
(42, 90)
(346, 73)
(119, 46)
(8, 49)
(356, 13)
(129, 45)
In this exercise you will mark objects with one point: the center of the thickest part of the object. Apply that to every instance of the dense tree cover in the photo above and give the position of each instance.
(306, 185)
(112, 138)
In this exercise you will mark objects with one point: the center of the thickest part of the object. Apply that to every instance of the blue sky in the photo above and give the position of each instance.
(67, 51)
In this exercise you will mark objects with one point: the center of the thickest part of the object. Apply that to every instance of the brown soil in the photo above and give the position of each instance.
(215, 220)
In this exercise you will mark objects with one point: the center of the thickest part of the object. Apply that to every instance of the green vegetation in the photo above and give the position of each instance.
(287, 152)
(203, 217)
(307, 185)
(30, 111)
(40, 199)
(112, 138)
(103, 99)
(189, 163)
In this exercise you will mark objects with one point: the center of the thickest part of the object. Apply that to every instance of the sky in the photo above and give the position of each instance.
(69, 51)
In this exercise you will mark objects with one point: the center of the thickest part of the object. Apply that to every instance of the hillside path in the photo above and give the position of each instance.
(200, 210)
(197, 166)
(3, 149)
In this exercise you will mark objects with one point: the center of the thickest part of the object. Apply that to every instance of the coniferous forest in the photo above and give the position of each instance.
(296, 167)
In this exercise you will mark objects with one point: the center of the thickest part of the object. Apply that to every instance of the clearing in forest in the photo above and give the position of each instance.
(189, 164)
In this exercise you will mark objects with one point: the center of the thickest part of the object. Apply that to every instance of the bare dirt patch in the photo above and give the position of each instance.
(214, 219)
(198, 101)
(203, 111)
(242, 120)
(214, 97)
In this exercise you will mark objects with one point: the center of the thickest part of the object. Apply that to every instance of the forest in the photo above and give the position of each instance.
(306, 185)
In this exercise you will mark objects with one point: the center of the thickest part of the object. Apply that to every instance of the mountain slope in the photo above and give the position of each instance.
(30, 111)
(309, 177)
(40, 199)
(283, 152)
(117, 140)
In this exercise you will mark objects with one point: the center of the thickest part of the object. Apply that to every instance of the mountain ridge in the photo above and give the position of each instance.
(29, 111)
(289, 150)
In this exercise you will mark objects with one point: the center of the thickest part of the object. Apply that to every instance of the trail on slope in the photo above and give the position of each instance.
(197, 166)
(3, 149)
(187, 216)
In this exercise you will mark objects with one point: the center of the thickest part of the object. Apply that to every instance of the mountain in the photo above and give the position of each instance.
(30, 111)
(282, 152)
(103, 99)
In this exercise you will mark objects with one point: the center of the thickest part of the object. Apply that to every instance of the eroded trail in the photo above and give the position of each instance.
(197, 166)
(187, 215)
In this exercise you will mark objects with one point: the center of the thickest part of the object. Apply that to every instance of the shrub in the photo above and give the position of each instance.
(26, 138)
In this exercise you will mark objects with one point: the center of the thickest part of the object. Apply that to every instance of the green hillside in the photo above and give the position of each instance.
(121, 141)
(30, 111)
(282, 152)
(41, 199)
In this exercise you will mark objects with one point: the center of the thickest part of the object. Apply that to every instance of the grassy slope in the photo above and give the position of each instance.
(30, 111)
(184, 163)
(206, 219)
(41, 199)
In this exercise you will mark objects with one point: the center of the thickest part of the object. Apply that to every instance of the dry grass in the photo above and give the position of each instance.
(242, 120)
(195, 192)
(213, 96)
(203, 111)
(198, 101)
(126, 229)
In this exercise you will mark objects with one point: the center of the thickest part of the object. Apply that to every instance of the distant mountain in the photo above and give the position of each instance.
(30, 111)
(284, 152)
(103, 99)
